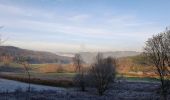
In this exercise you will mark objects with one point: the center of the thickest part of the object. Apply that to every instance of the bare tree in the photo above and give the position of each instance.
(167, 46)
(157, 50)
(78, 62)
(24, 62)
(80, 77)
(102, 73)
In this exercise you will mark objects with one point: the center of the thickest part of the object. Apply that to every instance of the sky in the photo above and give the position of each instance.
(82, 25)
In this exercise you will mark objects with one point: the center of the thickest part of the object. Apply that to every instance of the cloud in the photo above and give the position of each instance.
(93, 31)
(42, 20)
(51, 27)
(21, 18)
(27, 12)
(11, 9)
(128, 21)
(79, 18)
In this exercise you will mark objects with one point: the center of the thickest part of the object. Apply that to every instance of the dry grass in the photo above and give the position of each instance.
(52, 68)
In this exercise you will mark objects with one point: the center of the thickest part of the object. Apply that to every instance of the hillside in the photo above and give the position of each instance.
(48, 57)
(34, 56)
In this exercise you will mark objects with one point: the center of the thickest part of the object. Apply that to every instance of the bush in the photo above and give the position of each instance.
(102, 73)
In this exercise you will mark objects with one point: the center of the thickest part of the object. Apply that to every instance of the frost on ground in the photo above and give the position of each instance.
(11, 86)
(118, 91)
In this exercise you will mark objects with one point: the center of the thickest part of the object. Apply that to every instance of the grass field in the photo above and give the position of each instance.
(50, 72)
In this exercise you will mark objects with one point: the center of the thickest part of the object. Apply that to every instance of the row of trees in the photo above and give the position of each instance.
(100, 74)
(157, 50)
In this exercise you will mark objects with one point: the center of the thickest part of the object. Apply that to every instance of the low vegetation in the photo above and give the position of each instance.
(102, 73)
(118, 91)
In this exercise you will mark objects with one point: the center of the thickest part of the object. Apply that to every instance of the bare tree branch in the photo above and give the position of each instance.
(157, 50)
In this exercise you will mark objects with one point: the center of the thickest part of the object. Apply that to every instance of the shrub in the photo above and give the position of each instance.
(102, 73)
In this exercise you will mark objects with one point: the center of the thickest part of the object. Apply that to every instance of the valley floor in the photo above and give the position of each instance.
(13, 90)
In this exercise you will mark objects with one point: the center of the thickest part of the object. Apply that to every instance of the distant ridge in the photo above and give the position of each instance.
(89, 57)
(35, 57)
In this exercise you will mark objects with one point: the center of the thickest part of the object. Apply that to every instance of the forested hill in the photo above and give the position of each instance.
(35, 57)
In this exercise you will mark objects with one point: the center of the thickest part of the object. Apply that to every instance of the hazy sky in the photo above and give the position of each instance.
(82, 25)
